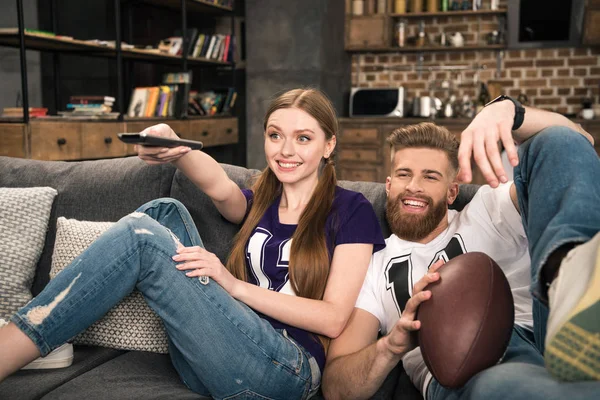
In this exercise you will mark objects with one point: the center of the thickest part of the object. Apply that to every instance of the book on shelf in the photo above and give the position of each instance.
(192, 35)
(213, 46)
(211, 102)
(17, 112)
(83, 99)
(89, 108)
(137, 105)
(166, 100)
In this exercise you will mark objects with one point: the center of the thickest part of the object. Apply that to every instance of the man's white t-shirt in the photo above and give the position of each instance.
(489, 224)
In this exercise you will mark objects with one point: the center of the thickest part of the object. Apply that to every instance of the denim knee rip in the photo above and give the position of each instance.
(38, 314)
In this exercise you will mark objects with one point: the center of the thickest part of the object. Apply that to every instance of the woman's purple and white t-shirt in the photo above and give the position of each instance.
(351, 220)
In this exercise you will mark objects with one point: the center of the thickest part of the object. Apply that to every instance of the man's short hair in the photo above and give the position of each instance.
(425, 135)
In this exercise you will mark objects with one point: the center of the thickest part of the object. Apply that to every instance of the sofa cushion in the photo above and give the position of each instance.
(133, 375)
(131, 324)
(33, 384)
(24, 215)
(100, 190)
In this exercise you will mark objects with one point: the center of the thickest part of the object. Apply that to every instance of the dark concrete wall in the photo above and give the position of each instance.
(291, 44)
(10, 65)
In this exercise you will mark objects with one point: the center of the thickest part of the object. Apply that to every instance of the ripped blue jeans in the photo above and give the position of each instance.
(218, 345)
(558, 185)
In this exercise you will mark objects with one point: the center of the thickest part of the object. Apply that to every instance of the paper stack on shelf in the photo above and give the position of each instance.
(90, 106)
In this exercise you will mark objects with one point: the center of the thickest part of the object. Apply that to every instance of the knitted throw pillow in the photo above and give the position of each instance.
(24, 216)
(131, 324)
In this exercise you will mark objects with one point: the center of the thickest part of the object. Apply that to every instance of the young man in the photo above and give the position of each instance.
(557, 194)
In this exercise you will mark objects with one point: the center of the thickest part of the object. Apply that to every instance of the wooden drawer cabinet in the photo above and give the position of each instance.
(100, 140)
(367, 32)
(13, 140)
(360, 155)
(360, 135)
(363, 175)
(213, 132)
(77, 140)
(55, 140)
(363, 154)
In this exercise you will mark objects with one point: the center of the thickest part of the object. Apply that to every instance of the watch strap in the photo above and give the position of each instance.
(519, 110)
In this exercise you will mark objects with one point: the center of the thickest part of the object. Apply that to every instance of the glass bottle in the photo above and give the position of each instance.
(432, 6)
(417, 6)
(358, 7)
(400, 33)
(400, 6)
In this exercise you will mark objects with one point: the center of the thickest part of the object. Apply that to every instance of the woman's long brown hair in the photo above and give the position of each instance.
(309, 257)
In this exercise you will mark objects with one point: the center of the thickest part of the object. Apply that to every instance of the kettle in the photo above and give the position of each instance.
(457, 40)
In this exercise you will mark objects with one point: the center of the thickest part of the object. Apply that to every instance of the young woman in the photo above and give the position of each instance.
(257, 326)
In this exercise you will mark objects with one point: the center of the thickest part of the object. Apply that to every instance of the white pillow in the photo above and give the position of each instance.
(24, 216)
(131, 324)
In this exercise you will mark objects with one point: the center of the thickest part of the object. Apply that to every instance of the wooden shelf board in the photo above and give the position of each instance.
(449, 14)
(394, 49)
(191, 5)
(10, 37)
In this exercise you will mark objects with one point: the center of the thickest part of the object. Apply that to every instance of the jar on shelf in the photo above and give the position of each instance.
(416, 6)
(400, 33)
(400, 6)
(432, 6)
(381, 6)
(358, 7)
(370, 7)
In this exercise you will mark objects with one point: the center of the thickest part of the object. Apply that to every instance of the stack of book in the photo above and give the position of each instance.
(154, 101)
(167, 100)
(17, 112)
(217, 47)
(90, 106)
(212, 102)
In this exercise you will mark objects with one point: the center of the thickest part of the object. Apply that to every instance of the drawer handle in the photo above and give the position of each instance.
(61, 141)
(357, 155)
(108, 140)
(229, 130)
(204, 133)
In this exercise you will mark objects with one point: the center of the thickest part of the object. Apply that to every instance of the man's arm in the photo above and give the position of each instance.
(493, 124)
(357, 363)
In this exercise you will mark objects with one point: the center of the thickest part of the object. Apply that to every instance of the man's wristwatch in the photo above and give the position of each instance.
(519, 110)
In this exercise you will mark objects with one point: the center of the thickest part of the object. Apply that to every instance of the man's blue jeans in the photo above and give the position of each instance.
(558, 185)
(218, 345)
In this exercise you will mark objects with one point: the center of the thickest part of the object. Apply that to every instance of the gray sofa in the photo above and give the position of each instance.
(106, 190)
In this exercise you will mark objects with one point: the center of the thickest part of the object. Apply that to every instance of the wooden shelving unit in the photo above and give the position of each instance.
(449, 14)
(192, 5)
(10, 37)
(424, 49)
(61, 138)
(374, 33)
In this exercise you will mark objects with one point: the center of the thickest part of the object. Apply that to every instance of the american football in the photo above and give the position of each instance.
(467, 323)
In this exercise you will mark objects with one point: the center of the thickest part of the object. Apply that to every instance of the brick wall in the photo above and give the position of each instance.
(554, 79)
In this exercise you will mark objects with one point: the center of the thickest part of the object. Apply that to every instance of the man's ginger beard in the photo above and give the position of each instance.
(413, 227)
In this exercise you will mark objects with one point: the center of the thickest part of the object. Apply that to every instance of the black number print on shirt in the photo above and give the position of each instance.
(398, 279)
(398, 272)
